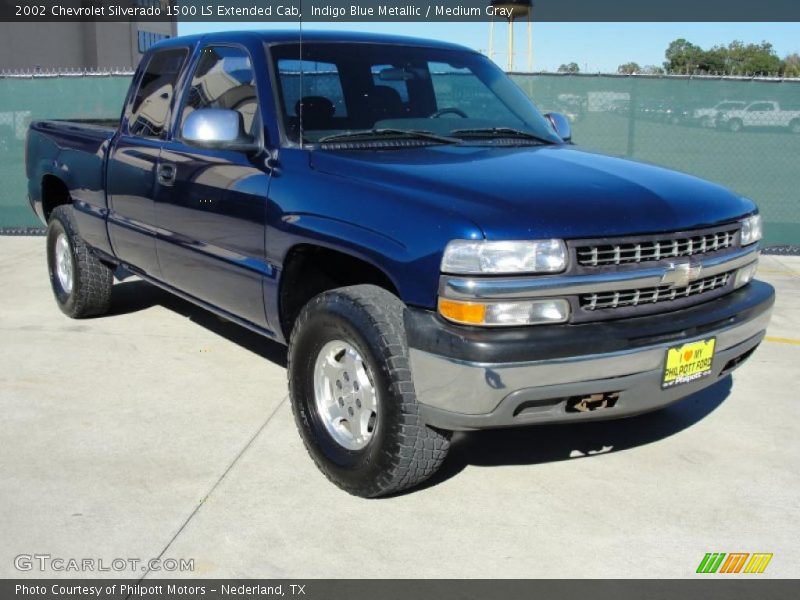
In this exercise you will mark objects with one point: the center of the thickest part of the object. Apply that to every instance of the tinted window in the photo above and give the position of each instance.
(150, 109)
(224, 78)
(355, 88)
(459, 88)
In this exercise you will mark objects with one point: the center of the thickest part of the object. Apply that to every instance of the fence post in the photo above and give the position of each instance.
(632, 109)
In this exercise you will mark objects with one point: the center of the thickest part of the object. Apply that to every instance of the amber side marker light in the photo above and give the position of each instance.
(462, 312)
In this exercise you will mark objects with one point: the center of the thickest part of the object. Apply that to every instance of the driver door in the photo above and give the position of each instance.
(211, 204)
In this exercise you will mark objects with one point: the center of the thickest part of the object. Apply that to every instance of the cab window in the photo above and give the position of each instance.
(224, 78)
(149, 111)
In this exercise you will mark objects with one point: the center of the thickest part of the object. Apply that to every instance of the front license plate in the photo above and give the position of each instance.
(689, 362)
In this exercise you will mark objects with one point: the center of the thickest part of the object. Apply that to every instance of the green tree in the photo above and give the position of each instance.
(791, 65)
(753, 59)
(737, 58)
(569, 68)
(629, 68)
(682, 56)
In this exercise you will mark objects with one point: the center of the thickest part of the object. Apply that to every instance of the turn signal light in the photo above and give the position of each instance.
(462, 312)
(505, 313)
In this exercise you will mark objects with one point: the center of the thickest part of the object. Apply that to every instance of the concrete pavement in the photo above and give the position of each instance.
(163, 431)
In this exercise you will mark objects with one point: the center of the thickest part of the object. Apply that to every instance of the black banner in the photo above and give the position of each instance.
(711, 587)
(399, 11)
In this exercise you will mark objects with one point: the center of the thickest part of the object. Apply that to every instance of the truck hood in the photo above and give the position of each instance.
(541, 191)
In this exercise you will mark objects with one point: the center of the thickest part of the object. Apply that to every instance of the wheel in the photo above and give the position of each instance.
(353, 397)
(81, 283)
(707, 122)
(794, 126)
(735, 125)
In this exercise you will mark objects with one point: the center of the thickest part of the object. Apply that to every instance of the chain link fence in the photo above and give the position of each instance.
(741, 132)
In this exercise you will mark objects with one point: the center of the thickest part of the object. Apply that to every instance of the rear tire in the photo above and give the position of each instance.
(81, 283)
(735, 126)
(388, 449)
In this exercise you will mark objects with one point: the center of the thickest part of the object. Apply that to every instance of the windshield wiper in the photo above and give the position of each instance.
(501, 132)
(377, 134)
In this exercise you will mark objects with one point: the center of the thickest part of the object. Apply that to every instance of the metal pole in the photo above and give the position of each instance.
(491, 39)
(510, 44)
(530, 41)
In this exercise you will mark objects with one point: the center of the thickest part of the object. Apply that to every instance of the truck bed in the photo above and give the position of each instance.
(76, 151)
(94, 128)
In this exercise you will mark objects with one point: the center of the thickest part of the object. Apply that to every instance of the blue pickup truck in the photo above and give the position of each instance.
(435, 252)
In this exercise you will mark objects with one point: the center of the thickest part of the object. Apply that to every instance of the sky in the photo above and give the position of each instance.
(596, 47)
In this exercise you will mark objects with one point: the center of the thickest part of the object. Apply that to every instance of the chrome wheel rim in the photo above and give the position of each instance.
(345, 395)
(65, 270)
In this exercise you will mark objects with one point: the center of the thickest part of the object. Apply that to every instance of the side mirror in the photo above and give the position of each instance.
(218, 129)
(561, 125)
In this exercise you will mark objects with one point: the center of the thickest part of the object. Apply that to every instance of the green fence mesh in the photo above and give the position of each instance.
(26, 99)
(744, 134)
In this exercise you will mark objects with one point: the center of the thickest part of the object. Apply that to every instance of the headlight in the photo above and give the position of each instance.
(751, 230)
(505, 313)
(482, 257)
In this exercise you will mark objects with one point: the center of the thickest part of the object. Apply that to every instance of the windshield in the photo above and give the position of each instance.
(344, 88)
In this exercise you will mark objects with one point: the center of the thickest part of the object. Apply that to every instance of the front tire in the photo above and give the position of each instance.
(353, 396)
(81, 283)
(735, 126)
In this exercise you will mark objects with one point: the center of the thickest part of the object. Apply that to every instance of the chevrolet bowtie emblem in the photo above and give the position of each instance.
(681, 274)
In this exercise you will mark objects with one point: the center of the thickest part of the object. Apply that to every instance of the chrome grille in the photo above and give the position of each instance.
(654, 249)
(653, 295)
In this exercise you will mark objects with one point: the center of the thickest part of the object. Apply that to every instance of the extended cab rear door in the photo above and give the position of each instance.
(211, 205)
(133, 158)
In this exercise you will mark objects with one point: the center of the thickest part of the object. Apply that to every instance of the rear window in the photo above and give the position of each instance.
(311, 79)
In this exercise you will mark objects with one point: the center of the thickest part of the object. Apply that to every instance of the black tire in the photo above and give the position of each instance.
(402, 451)
(92, 280)
(735, 125)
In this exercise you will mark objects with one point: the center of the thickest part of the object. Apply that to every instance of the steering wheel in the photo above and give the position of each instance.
(449, 111)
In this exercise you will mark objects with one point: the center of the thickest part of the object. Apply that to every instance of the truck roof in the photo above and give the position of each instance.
(293, 36)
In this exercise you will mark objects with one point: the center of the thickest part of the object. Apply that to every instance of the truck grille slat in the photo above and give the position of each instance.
(654, 250)
(664, 293)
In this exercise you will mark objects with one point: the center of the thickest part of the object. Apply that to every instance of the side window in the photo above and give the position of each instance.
(224, 78)
(318, 82)
(150, 108)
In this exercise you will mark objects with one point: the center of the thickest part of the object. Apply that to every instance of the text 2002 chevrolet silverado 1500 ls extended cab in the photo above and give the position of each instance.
(434, 251)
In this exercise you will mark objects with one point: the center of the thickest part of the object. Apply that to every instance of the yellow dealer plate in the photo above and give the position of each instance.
(689, 362)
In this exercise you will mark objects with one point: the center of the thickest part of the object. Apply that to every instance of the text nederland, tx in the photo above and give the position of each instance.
(140, 590)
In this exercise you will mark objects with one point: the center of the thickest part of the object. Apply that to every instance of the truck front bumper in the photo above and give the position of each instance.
(472, 378)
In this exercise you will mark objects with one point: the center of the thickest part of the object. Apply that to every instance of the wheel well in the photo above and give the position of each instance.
(310, 270)
(54, 193)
